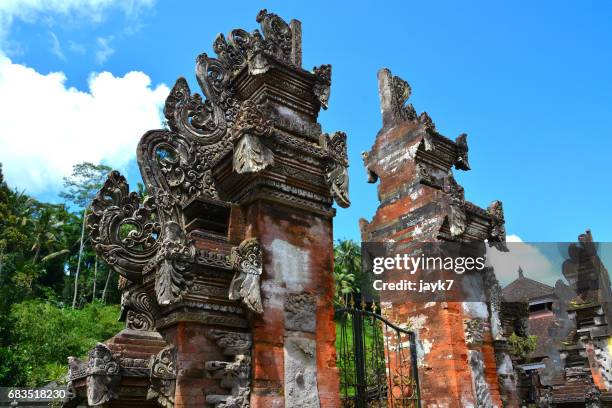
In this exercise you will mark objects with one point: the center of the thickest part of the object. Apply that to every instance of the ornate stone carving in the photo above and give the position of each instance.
(250, 153)
(322, 83)
(278, 36)
(245, 286)
(300, 313)
(497, 236)
(336, 168)
(102, 376)
(401, 92)
(232, 343)
(427, 123)
(474, 331)
(456, 218)
(114, 211)
(163, 377)
(235, 375)
(462, 162)
(137, 309)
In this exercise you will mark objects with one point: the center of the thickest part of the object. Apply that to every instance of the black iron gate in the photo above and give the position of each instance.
(377, 361)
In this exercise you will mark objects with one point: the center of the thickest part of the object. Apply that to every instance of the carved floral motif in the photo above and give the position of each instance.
(137, 309)
(102, 375)
(322, 83)
(234, 375)
(247, 262)
(115, 210)
(497, 236)
(163, 377)
(336, 168)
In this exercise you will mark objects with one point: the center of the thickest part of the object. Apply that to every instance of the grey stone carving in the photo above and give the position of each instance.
(300, 312)
(462, 163)
(474, 331)
(497, 236)
(235, 375)
(102, 376)
(170, 263)
(336, 170)
(245, 286)
(137, 309)
(456, 217)
(163, 377)
(301, 373)
(114, 210)
(481, 388)
(322, 83)
(250, 153)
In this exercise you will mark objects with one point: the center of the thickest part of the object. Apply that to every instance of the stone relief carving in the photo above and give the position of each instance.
(163, 377)
(170, 263)
(456, 217)
(336, 168)
(300, 313)
(474, 331)
(115, 210)
(235, 375)
(401, 92)
(322, 83)
(250, 153)
(102, 375)
(247, 262)
(137, 309)
(497, 236)
(462, 163)
(176, 163)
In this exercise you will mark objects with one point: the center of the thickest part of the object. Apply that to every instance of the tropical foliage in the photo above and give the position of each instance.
(42, 246)
(347, 270)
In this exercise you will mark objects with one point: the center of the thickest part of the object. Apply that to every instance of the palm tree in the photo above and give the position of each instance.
(347, 270)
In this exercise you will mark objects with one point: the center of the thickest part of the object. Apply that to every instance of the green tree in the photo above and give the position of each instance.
(44, 335)
(80, 189)
(347, 270)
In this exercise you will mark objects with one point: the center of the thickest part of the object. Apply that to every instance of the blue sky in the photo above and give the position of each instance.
(530, 82)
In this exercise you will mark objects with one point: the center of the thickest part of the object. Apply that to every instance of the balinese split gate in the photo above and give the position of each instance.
(226, 267)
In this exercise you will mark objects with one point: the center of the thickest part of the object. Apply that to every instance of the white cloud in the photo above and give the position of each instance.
(529, 257)
(56, 47)
(90, 10)
(46, 128)
(104, 50)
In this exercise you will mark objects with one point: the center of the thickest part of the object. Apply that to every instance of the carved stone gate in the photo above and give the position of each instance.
(226, 266)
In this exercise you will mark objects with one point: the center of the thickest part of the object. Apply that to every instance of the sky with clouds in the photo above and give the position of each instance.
(530, 83)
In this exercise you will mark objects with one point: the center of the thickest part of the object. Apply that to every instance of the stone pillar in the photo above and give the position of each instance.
(283, 174)
(232, 250)
(420, 201)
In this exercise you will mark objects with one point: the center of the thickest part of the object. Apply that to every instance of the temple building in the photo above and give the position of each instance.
(571, 363)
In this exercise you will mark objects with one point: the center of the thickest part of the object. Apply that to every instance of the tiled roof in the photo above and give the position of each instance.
(523, 289)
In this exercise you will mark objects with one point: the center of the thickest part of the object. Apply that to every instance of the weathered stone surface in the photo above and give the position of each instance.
(301, 373)
(420, 201)
(300, 312)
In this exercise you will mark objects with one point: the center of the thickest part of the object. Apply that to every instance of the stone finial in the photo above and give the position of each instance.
(520, 273)
(394, 92)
